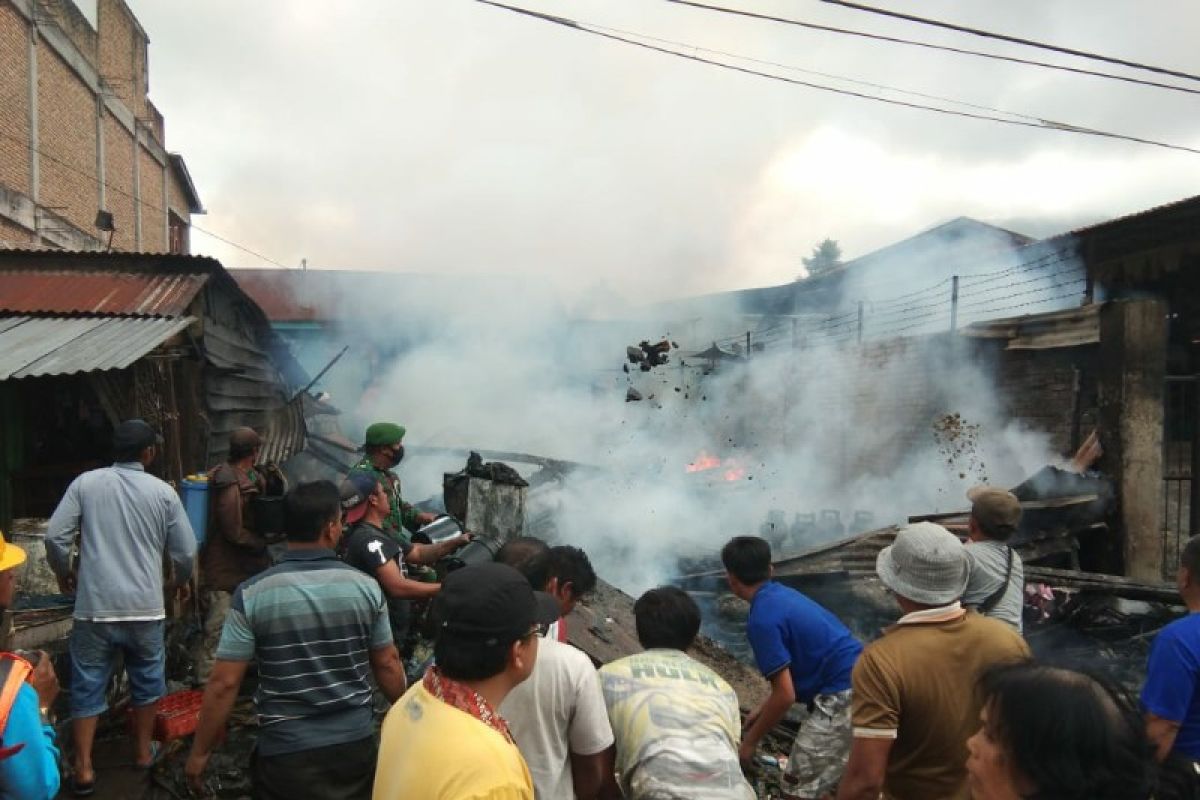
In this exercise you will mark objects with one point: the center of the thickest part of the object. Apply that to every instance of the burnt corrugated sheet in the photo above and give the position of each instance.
(243, 387)
(33, 346)
(50, 291)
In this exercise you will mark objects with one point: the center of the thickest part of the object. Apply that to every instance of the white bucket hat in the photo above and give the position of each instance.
(926, 564)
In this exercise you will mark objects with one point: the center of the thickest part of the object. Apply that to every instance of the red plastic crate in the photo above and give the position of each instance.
(177, 715)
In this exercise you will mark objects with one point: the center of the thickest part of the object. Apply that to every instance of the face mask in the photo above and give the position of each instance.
(397, 455)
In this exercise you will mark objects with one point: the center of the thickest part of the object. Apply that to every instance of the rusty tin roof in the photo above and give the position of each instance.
(117, 293)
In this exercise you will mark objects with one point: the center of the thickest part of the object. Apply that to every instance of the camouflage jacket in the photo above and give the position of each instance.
(402, 518)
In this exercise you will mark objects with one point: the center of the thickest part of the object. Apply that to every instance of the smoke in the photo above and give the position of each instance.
(856, 435)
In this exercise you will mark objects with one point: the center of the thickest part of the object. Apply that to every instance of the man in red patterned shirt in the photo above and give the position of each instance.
(445, 738)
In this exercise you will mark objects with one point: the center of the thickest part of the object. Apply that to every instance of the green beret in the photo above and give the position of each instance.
(381, 433)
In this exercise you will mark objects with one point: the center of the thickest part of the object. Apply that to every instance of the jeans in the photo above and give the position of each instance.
(94, 647)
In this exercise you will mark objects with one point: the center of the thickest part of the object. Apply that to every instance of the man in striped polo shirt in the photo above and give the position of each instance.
(315, 627)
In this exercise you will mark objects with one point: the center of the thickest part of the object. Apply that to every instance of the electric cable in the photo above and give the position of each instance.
(1044, 124)
(931, 46)
(1012, 39)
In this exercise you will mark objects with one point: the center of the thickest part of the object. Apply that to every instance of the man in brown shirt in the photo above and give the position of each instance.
(232, 551)
(915, 703)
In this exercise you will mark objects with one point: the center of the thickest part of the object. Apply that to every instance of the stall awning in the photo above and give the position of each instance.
(33, 345)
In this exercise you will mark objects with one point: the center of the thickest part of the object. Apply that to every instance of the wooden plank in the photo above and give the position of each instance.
(1099, 582)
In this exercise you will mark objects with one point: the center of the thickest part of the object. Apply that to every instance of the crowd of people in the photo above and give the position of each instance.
(947, 703)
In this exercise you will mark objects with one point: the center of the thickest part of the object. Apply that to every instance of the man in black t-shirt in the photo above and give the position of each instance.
(366, 547)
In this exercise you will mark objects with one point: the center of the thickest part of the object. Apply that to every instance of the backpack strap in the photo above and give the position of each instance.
(995, 597)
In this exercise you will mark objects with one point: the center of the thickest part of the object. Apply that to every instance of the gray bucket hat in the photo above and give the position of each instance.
(926, 564)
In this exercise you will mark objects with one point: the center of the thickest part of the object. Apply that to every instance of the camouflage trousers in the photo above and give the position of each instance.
(821, 748)
(215, 606)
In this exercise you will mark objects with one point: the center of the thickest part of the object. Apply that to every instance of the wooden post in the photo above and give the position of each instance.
(860, 321)
(954, 303)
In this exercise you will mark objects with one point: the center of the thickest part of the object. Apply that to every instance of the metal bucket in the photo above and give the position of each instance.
(440, 530)
(479, 551)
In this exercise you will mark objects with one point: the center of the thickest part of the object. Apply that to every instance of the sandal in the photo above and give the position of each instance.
(156, 753)
(81, 789)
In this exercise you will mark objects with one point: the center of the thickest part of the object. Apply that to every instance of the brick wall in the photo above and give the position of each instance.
(177, 202)
(1039, 388)
(75, 61)
(118, 172)
(13, 235)
(869, 408)
(14, 99)
(116, 50)
(150, 176)
(67, 140)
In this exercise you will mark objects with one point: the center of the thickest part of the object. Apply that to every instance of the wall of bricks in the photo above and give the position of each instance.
(14, 100)
(13, 235)
(154, 207)
(118, 174)
(870, 407)
(83, 75)
(67, 140)
(1039, 388)
(116, 50)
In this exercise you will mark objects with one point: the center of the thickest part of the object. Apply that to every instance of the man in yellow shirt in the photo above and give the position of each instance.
(445, 739)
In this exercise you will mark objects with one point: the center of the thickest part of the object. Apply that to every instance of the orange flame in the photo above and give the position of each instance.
(703, 463)
(733, 470)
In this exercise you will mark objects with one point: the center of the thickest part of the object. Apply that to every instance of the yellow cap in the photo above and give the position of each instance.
(10, 555)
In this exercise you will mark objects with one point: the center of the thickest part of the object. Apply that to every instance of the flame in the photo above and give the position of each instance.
(733, 470)
(703, 463)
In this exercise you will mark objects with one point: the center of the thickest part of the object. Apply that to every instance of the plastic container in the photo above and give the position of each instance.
(194, 489)
(177, 715)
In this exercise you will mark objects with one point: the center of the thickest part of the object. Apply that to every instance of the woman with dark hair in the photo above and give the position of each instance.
(1049, 732)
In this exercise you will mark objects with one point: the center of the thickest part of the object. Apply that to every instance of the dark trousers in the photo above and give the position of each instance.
(338, 772)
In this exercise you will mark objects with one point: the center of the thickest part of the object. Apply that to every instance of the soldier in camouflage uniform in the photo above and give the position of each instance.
(384, 448)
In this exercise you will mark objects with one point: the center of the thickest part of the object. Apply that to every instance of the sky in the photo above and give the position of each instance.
(453, 137)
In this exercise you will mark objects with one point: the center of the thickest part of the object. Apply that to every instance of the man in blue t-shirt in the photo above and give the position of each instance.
(1170, 697)
(807, 654)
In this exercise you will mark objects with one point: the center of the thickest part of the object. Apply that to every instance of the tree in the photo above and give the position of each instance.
(825, 257)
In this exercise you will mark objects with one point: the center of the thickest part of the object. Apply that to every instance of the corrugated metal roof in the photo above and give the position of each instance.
(51, 291)
(32, 346)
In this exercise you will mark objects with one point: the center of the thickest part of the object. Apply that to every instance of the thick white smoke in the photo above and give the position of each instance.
(869, 432)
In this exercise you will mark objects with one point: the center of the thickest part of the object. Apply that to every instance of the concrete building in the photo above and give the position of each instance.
(83, 155)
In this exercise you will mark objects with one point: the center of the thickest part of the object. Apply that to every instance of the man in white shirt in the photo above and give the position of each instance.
(557, 717)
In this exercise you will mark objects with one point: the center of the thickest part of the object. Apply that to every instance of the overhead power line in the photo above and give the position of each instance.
(950, 26)
(931, 46)
(793, 68)
(141, 201)
(1041, 124)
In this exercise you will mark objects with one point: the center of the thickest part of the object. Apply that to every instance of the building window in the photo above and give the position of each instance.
(179, 234)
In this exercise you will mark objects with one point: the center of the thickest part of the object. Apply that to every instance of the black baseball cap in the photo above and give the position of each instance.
(134, 434)
(490, 603)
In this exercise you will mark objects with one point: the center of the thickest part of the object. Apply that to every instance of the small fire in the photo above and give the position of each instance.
(703, 463)
(733, 471)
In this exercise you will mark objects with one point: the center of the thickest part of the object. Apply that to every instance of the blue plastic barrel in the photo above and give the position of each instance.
(194, 489)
